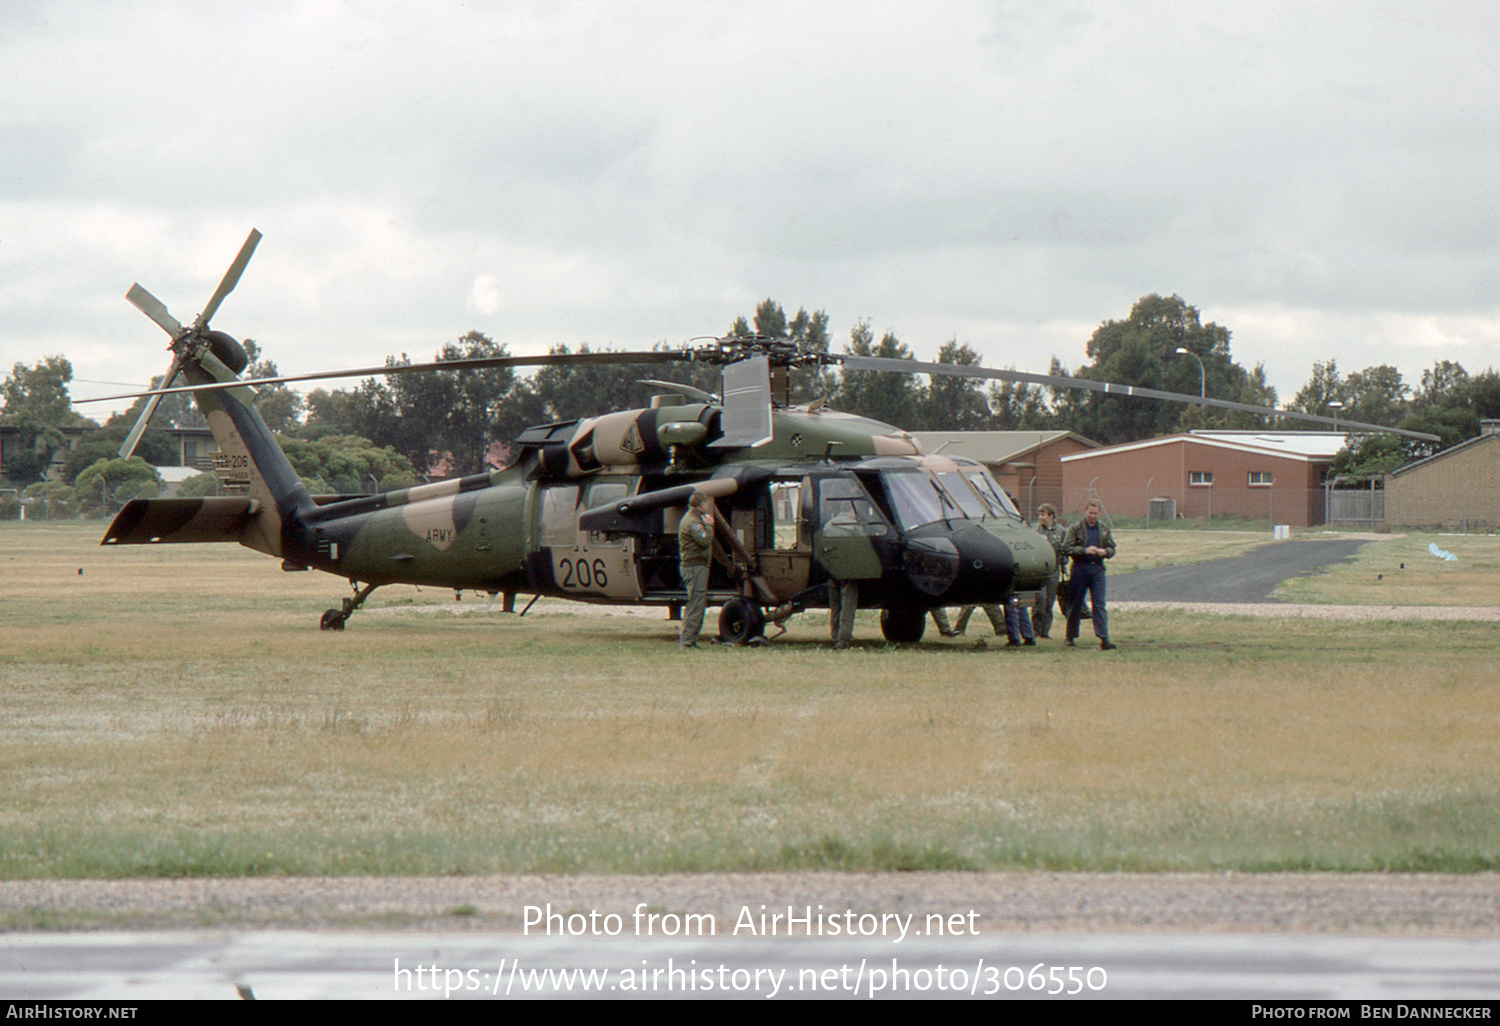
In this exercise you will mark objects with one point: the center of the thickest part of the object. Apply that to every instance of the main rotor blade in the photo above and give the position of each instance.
(230, 280)
(155, 309)
(876, 363)
(477, 363)
(127, 447)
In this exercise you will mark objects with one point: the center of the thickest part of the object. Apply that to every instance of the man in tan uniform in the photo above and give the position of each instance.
(695, 541)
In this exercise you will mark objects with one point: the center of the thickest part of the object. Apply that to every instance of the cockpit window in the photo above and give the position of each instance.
(845, 509)
(917, 499)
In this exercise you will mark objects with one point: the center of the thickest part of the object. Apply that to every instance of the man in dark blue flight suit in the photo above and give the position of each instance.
(1089, 543)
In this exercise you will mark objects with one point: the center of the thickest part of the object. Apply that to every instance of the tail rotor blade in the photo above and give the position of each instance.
(153, 308)
(127, 447)
(231, 279)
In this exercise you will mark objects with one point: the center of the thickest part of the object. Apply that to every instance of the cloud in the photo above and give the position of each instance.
(1011, 173)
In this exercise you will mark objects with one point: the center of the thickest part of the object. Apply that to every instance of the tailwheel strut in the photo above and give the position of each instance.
(334, 619)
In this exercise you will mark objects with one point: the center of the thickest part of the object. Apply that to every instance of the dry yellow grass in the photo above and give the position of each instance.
(176, 710)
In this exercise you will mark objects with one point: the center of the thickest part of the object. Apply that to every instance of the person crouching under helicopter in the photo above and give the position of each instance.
(994, 612)
(1009, 620)
(695, 542)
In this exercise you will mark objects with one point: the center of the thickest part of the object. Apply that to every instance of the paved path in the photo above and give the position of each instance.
(1244, 579)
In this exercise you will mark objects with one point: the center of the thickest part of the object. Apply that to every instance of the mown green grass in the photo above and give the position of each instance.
(175, 711)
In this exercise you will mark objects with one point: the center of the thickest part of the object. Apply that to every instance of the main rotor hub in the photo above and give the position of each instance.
(781, 352)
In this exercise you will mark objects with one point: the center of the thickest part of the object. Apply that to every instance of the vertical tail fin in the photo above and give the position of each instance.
(249, 461)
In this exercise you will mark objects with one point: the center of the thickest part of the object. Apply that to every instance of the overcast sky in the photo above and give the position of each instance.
(1319, 177)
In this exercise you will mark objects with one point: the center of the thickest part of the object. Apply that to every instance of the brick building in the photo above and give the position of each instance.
(1257, 475)
(1456, 488)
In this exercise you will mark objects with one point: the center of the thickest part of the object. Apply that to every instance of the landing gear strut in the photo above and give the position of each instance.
(334, 619)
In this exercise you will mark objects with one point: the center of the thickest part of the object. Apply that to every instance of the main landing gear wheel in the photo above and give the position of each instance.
(903, 626)
(740, 622)
(333, 620)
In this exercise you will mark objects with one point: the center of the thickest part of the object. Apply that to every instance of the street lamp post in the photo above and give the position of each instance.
(1202, 375)
(1336, 406)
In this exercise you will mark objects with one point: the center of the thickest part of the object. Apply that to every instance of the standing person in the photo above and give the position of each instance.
(1017, 625)
(940, 620)
(843, 602)
(1089, 543)
(1055, 533)
(695, 542)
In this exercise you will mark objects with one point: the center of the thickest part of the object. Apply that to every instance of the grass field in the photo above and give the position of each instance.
(175, 711)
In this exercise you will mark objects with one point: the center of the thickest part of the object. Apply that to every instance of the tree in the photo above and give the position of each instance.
(1141, 351)
(952, 403)
(37, 402)
(1452, 424)
(279, 406)
(347, 465)
(808, 331)
(1018, 406)
(1367, 455)
(155, 447)
(1324, 387)
(879, 395)
(441, 417)
(38, 395)
(177, 409)
(51, 500)
(1484, 394)
(1254, 390)
(109, 484)
(1375, 395)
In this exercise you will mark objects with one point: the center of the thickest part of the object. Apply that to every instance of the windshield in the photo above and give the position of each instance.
(916, 498)
(986, 487)
(974, 506)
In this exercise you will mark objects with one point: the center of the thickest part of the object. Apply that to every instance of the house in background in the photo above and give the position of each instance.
(1258, 475)
(1027, 464)
(16, 444)
(196, 446)
(1456, 488)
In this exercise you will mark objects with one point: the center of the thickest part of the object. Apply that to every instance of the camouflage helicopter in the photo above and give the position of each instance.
(589, 509)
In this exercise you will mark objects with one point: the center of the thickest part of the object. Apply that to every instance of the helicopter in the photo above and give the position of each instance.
(588, 511)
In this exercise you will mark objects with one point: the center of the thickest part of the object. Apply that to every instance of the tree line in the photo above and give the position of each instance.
(385, 432)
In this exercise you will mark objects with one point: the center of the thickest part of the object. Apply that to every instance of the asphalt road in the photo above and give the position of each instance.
(1242, 580)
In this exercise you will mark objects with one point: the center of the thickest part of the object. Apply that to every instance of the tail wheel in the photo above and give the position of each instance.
(903, 626)
(333, 620)
(739, 621)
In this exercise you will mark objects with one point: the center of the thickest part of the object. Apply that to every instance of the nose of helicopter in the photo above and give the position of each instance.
(969, 566)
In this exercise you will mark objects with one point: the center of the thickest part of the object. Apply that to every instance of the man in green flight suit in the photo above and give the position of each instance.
(695, 540)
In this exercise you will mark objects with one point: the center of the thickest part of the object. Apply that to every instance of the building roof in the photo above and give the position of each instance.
(1465, 444)
(992, 446)
(1307, 446)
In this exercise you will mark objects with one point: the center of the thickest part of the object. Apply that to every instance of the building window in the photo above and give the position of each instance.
(1260, 478)
(1205, 478)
